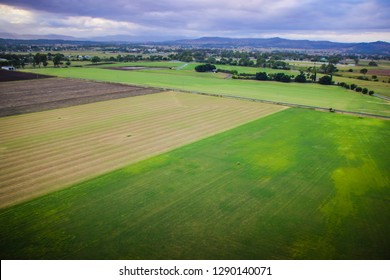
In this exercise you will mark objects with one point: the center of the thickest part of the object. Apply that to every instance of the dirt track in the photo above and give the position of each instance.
(19, 97)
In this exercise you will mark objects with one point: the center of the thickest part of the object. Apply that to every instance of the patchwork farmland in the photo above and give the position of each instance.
(174, 175)
(49, 150)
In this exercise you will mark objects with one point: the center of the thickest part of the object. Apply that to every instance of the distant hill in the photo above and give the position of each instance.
(280, 43)
(205, 42)
(7, 35)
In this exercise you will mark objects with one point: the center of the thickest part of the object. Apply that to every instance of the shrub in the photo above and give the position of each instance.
(205, 67)
(365, 90)
(301, 78)
(286, 79)
(371, 92)
(325, 80)
(353, 86)
(262, 76)
(358, 89)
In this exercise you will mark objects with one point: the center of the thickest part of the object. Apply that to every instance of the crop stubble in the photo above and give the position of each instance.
(46, 151)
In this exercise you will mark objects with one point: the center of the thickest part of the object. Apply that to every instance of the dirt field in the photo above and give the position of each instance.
(50, 150)
(21, 97)
(379, 72)
(6, 76)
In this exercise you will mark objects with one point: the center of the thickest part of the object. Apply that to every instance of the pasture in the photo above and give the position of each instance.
(45, 151)
(298, 184)
(305, 94)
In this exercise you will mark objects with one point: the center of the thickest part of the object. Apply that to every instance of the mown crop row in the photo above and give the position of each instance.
(49, 150)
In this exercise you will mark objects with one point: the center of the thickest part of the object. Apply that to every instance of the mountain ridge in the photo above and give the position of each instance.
(275, 43)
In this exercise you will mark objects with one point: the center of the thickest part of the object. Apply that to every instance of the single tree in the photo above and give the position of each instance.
(325, 80)
(57, 60)
(261, 76)
(364, 71)
(301, 78)
(205, 67)
(95, 59)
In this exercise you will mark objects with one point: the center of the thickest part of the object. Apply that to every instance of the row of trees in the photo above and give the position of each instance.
(356, 88)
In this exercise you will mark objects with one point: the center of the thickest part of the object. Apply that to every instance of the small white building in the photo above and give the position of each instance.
(9, 68)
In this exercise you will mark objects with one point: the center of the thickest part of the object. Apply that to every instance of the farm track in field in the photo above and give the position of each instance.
(19, 97)
(45, 151)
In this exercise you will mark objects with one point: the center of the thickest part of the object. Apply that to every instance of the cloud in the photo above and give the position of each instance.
(204, 17)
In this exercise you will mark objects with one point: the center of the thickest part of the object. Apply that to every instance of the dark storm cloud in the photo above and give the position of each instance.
(227, 16)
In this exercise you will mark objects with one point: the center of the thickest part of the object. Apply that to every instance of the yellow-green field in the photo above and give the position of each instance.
(297, 184)
(46, 151)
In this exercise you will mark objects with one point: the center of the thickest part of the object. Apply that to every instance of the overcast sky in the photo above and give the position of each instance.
(335, 20)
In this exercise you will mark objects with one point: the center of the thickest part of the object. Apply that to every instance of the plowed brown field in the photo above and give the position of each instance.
(20, 97)
(47, 151)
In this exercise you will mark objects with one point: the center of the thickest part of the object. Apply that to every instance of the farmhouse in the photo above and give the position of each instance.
(8, 68)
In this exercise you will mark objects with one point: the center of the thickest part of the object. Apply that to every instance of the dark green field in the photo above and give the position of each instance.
(298, 184)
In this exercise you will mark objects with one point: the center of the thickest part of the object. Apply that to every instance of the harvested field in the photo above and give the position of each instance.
(50, 150)
(33, 96)
(275, 188)
(6, 76)
(379, 72)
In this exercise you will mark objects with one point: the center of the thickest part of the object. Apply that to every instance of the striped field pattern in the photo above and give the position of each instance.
(46, 151)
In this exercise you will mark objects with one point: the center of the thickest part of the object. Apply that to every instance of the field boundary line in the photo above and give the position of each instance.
(323, 109)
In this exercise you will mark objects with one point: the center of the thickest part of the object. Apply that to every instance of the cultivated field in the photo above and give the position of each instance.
(21, 97)
(297, 184)
(305, 94)
(46, 151)
(7, 76)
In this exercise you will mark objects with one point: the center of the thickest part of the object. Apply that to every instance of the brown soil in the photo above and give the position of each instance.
(21, 97)
(6, 76)
(379, 72)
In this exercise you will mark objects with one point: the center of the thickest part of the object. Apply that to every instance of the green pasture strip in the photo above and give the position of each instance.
(254, 70)
(378, 87)
(143, 63)
(305, 94)
(298, 184)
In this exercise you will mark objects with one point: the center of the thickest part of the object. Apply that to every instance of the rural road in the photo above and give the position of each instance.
(182, 66)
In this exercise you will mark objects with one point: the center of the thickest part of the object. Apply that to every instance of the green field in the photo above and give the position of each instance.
(298, 184)
(305, 94)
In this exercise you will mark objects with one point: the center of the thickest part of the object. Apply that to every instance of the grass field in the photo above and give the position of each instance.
(306, 94)
(298, 184)
(45, 151)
